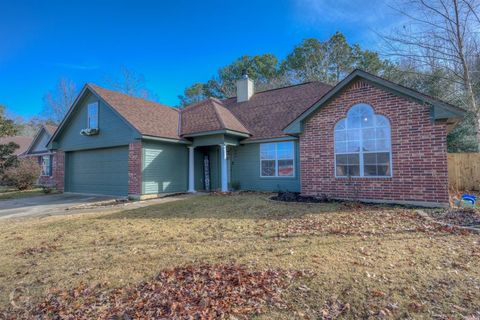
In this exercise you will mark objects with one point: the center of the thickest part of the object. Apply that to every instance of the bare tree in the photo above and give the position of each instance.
(131, 83)
(442, 34)
(58, 101)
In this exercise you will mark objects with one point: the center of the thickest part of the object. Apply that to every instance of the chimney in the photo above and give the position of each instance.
(244, 89)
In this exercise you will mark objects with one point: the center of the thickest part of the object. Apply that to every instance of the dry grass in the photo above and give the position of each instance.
(368, 260)
(9, 193)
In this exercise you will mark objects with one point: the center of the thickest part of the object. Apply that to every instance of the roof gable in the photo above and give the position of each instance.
(40, 142)
(144, 117)
(207, 116)
(440, 109)
(113, 128)
(148, 117)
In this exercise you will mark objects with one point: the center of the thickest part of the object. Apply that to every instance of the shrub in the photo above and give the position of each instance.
(235, 185)
(47, 189)
(24, 175)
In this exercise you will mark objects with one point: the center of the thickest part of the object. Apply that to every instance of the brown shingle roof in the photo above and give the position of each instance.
(209, 115)
(23, 142)
(148, 117)
(268, 112)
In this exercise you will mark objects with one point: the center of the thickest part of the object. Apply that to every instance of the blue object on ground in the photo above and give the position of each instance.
(469, 198)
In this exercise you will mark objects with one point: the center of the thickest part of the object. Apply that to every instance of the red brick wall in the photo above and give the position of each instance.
(419, 150)
(58, 170)
(135, 168)
(56, 179)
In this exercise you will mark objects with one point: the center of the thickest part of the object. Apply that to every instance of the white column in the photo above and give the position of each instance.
(191, 172)
(223, 164)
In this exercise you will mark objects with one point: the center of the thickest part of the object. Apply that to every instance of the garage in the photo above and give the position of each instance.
(98, 171)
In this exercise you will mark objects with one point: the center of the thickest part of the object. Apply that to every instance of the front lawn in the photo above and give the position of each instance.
(11, 193)
(356, 261)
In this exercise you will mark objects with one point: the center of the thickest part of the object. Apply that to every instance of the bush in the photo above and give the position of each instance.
(235, 185)
(24, 175)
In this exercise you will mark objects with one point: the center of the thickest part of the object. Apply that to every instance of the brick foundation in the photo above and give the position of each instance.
(135, 169)
(419, 150)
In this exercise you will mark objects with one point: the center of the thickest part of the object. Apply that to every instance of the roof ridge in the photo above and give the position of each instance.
(222, 123)
(236, 118)
(286, 87)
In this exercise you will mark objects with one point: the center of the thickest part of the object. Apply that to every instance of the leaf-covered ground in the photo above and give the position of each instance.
(362, 261)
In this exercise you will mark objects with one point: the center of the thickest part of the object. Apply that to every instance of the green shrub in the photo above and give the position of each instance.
(235, 185)
(24, 175)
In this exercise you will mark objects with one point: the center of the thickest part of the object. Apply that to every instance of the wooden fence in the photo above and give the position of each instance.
(464, 171)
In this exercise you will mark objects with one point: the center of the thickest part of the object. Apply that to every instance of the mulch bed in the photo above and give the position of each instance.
(192, 292)
(465, 217)
(296, 197)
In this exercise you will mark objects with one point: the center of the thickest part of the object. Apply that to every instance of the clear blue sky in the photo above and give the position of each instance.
(172, 43)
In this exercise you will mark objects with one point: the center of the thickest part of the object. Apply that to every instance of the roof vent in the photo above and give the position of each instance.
(245, 89)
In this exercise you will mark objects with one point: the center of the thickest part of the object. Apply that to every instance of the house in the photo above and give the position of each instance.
(365, 138)
(45, 157)
(23, 143)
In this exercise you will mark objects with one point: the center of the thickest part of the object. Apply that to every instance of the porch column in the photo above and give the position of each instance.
(191, 172)
(223, 164)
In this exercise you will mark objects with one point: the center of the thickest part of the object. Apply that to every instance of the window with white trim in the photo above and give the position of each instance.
(46, 163)
(92, 115)
(277, 159)
(363, 144)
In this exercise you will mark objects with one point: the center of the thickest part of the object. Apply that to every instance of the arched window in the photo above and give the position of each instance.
(362, 144)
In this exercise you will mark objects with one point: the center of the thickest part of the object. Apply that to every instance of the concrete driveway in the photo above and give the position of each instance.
(45, 205)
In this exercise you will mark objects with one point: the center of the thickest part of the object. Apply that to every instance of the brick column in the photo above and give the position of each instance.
(58, 170)
(135, 169)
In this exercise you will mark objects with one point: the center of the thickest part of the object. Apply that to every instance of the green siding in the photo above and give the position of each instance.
(214, 140)
(113, 130)
(99, 171)
(165, 167)
(245, 169)
(40, 144)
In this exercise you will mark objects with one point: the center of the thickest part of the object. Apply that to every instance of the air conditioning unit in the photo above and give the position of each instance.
(89, 132)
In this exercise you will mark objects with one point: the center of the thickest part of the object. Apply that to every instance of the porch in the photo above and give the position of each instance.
(209, 161)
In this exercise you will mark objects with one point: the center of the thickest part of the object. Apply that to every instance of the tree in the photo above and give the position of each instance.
(7, 128)
(443, 34)
(58, 101)
(263, 69)
(329, 61)
(131, 83)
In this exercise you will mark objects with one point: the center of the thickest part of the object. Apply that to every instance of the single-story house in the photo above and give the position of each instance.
(365, 138)
(45, 157)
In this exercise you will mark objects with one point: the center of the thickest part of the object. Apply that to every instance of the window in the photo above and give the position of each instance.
(46, 163)
(276, 159)
(362, 144)
(93, 115)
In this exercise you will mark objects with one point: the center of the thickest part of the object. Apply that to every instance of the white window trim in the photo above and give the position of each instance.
(361, 153)
(276, 176)
(50, 165)
(362, 169)
(88, 114)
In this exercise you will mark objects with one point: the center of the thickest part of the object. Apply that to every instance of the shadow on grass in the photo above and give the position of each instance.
(225, 207)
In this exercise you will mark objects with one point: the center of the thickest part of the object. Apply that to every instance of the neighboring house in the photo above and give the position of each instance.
(23, 143)
(45, 157)
(365, 138)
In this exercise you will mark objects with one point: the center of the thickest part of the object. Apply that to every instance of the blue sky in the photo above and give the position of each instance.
(172, 43)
